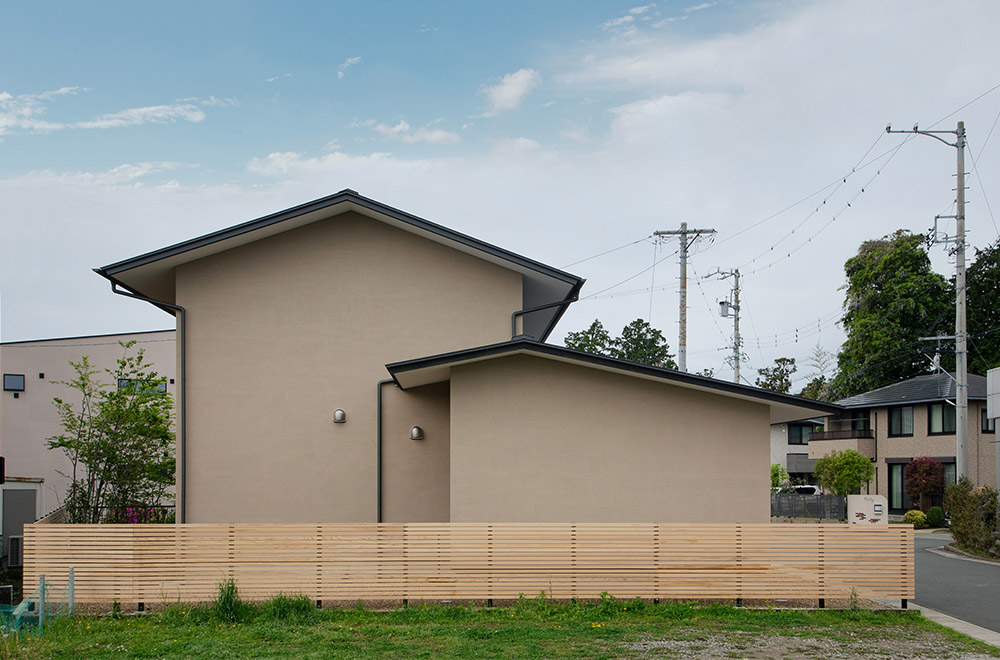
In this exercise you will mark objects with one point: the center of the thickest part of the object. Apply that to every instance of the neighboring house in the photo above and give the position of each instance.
(790, 449)
(32, 370)
(346, 361)
(897, 423)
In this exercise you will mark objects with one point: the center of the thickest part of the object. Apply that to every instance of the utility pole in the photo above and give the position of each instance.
(961, 337)
(725, 307)
(683, 233)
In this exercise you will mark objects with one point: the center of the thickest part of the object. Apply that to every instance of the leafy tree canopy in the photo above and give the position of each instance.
(638, 342)
(893, 298)
(779, 377)
(118, 440)
(843, 472)
(983, 313)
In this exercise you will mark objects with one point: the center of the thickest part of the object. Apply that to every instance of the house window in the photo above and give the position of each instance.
(899, 499)
(130, 384)
(13, 382)
(798, 434)
(861, 421)
(940, 418)
(989, 424)
(901, 420)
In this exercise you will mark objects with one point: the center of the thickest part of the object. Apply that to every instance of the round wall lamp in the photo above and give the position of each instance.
(339, 416)
(416, 433)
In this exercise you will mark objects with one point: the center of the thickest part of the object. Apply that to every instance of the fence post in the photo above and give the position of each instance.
(70, 594)
(41, 604)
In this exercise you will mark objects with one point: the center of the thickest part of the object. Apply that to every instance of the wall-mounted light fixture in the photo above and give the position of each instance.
(416, 433)
(339, 416)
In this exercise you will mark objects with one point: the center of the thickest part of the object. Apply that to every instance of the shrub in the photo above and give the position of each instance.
(974, 517)
(924, 476)
(843, 472)
(228, 606)
(916, 518)
(935, 517)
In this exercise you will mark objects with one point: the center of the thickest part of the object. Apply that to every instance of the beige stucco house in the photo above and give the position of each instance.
(33, 373)
(347, 361)
(894, 424)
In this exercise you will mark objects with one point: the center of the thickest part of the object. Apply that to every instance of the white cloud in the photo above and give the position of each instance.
(402, 131)
(626, 25)
(276, 78)
(426, 28)
(510, 91)
(24, 111)
(347, 64)
(704, 5)
(154, 114)
(228, 102)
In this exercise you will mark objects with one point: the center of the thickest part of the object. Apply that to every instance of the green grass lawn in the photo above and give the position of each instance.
(533, 628)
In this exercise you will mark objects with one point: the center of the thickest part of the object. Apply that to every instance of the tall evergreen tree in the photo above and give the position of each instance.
(893, 298)
(983, 310)
(638, 342)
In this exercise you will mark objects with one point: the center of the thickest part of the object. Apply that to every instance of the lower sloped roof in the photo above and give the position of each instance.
(437, 368)
(922, 389)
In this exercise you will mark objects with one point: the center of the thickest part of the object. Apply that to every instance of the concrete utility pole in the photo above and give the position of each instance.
(724, 308)
(961, 337)
(683, 233)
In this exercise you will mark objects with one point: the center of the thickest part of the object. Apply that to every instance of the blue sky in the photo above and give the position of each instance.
(559, 130)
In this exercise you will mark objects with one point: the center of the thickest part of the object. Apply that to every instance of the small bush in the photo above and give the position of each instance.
(916, 518)
(228, 606)
(935, 517)
(974, 518)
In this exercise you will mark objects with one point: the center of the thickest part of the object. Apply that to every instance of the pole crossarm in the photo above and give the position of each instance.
(683, 234)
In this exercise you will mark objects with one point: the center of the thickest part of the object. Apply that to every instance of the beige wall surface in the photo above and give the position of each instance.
(29, 420)
(415, 473)
(536, 440)
(284, 331)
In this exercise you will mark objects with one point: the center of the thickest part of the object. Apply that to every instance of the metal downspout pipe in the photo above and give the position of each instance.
(180, 314)
(378, 451)
(529, 310)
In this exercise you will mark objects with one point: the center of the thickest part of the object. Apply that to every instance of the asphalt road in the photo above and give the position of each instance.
(966, 590)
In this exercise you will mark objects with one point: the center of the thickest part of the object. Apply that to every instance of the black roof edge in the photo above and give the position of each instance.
(572, 296)
(115, 282)
(624, 365)
(346, 195)
(96, 336)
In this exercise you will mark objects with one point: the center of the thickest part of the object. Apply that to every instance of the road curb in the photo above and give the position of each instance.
(964, 627)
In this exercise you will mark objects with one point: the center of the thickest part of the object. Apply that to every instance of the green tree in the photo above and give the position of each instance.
(843, 472)
(594, 339)
(118, 440)
(638, 342)
(779, 476)
(983, 312)
(818, 389)
(893, 298)
(779, 377)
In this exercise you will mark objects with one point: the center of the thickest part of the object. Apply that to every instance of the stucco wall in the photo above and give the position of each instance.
(415, 473)
(284, 331)
(539, 440)
(29, 420)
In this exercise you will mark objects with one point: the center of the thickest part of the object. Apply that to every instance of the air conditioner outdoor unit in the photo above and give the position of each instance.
(15, 552)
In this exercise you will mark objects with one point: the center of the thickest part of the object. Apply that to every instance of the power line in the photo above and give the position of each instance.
(601, 254)
(629, 279)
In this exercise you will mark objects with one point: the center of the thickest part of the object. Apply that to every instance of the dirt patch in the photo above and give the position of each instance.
(801, 643)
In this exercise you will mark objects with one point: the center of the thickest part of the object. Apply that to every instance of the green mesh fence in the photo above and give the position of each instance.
(48, 601)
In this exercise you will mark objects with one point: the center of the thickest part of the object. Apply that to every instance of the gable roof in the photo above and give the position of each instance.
(151, 274)
(437, 368)
(922, 389)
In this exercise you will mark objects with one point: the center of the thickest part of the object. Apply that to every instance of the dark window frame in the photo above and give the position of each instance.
(12, 387)
(899, 433)
(126, 383)
(987, 425)
(945, 406)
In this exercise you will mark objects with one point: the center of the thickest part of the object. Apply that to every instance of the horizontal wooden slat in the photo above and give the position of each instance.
(418, 561)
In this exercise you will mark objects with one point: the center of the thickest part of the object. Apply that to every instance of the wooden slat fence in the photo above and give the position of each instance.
(417, 561)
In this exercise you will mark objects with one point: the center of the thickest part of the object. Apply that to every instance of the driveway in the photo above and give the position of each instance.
(961, 588)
